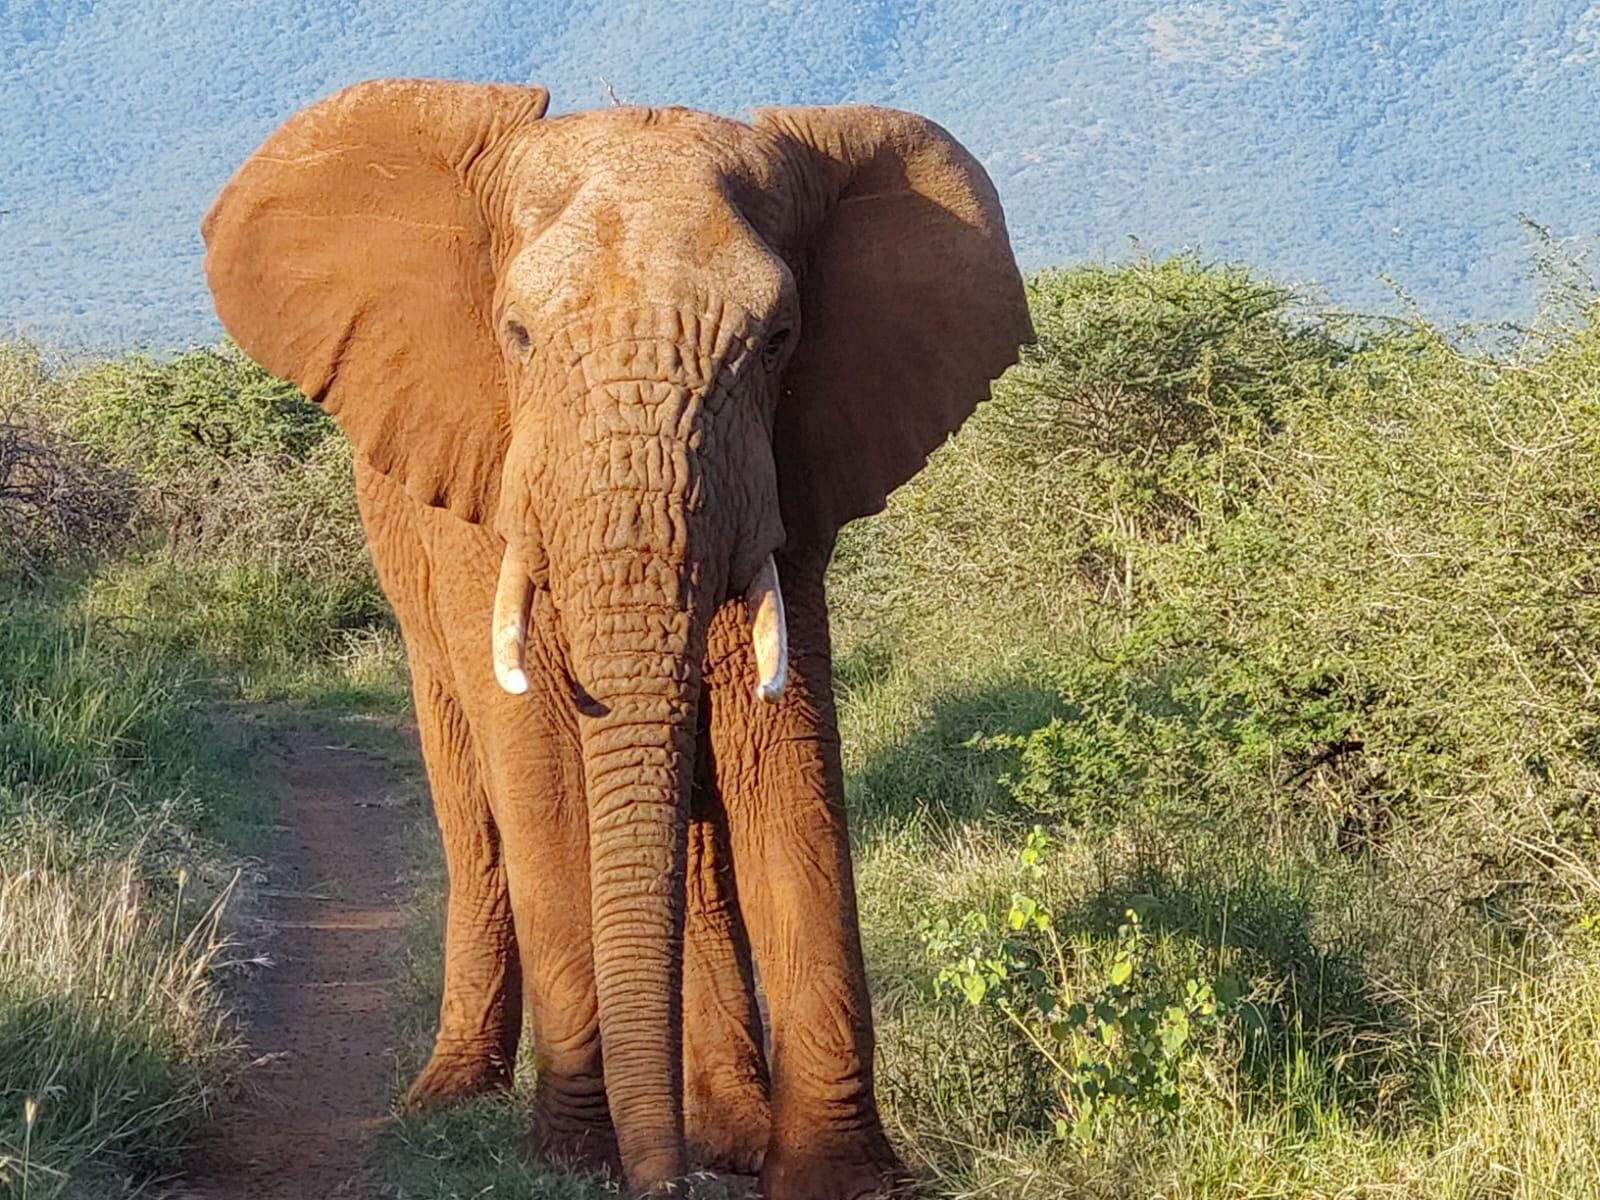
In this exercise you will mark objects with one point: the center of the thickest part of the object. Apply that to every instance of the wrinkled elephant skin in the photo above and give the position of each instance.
(614, 381)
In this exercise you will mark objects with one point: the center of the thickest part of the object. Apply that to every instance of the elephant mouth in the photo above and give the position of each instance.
(763, 602)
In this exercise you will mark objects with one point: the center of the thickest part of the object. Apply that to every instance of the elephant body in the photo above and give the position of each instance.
(507, 783)
(611, 377)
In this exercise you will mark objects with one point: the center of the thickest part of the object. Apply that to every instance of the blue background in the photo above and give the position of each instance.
(1328, 143)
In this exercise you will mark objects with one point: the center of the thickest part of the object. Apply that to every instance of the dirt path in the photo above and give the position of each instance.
(320, 1021)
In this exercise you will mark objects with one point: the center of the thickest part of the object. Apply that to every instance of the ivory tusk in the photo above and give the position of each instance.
(512, 596)
(769, 632)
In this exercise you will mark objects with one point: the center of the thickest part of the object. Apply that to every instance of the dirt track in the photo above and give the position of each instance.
(320, 1022)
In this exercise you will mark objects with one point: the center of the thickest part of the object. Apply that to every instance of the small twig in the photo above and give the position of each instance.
(610, 91)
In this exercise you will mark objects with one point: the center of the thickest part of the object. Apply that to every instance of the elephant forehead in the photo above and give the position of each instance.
(612, 258)
(658, 156)
(645, 215)
(667, 138)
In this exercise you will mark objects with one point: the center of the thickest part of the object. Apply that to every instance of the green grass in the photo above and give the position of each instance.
(131, 655)
(114, 871)
(1282, 626)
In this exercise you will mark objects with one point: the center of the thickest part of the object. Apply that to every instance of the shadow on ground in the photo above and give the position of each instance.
(935, 772)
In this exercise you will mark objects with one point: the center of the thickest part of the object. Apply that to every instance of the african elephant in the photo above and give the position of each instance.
(615, 380)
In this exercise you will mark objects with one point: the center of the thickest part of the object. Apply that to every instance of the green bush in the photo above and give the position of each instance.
(1353, 577)
(1391, 630)
(1284, 625)
(1106, 437)
(232, 460)
(209, 408)
(250, 550)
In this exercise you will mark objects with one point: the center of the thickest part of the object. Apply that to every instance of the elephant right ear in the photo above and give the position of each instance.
(351, 255)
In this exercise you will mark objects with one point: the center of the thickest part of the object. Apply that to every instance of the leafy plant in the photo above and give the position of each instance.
(1117, 1042)
(209, 406)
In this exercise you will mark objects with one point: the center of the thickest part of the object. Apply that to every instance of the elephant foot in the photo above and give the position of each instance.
(455, 1073)
(575, 1132)
(727, 1129)
(854, 1173)
(731, 1153)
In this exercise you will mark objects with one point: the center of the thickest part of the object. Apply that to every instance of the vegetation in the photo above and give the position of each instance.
(1287, 656)
(1218, 719)
(173, 537)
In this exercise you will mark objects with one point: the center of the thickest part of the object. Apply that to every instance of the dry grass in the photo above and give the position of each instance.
(110, 1020)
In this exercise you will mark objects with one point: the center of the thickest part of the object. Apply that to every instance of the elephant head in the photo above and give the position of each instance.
(648, 346)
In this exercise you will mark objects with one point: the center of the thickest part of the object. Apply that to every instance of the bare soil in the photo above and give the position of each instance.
(320, 1022)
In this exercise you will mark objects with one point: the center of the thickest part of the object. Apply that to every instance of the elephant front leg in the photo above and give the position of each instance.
(725, 1113)
(547, 848)
(480, 1012)
(790, 842)
(782, 784)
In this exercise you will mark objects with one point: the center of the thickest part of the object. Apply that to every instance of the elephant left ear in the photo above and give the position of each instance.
(911, 305)
(353, 253)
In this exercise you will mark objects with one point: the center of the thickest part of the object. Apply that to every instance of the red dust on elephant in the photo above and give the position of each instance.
(614, 381)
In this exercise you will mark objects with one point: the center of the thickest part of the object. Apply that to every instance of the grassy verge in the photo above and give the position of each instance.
(110, 884)
(1218, 720)
(155, 575)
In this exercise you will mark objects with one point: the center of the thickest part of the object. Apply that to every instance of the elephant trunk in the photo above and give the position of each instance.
(641, 546)
(637, 664)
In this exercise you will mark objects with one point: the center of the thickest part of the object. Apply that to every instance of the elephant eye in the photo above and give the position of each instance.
(517, 335)
(777, 342)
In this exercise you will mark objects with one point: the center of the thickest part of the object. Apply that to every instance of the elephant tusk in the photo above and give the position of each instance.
(512, 596)
(769, 631)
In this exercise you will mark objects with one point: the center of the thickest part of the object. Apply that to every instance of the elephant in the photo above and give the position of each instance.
(614, 381)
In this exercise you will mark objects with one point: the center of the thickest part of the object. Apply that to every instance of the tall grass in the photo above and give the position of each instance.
(236, 571)
(109, 1023)
(1282, 626)
(111, 888)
